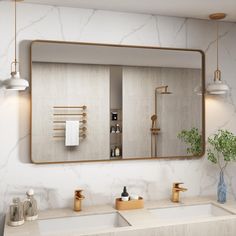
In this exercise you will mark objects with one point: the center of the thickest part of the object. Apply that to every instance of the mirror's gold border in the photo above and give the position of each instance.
(126, 46)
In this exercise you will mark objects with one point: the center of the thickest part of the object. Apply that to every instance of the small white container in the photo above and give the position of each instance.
(134, 197)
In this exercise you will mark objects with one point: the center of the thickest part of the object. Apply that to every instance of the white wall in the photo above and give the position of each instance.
(103, 181)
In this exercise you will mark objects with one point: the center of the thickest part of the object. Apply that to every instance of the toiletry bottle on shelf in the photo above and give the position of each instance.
(16, 215)
(30, 206)
(117, 151)
(114, 115)
(113, 152)
(125, 195)
(118, 129)
(113, 129)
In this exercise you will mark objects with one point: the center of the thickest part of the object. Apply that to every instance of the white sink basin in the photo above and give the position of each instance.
(188, 213)
(82, 224)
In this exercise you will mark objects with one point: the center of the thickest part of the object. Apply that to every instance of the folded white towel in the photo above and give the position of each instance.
(72, 133)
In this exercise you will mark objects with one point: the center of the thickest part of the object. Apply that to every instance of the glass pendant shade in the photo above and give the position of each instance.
(15, 82)
(218, 87)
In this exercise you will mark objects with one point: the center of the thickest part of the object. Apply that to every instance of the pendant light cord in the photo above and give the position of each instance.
(217, 73)
(217, 45)
(15, 35)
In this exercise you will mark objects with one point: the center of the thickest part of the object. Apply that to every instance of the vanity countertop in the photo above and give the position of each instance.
(139, 219)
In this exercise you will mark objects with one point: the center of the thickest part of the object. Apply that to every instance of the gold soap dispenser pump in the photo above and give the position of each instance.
(78, 200)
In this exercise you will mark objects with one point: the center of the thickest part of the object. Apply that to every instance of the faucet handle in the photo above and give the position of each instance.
(176, 184)
(78, 194)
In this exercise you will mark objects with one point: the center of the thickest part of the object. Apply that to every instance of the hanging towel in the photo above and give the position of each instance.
(72, 133)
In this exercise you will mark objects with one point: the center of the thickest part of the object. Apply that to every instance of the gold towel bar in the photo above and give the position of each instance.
(70, 114)
(62, 136)
(63, 121)
(70, 107)
(58, 129)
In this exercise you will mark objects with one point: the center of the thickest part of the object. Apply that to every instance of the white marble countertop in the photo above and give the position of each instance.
(139, 219)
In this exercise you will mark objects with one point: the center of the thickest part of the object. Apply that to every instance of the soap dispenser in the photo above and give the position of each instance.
(16, 215)
(125, 195)
(30, 206)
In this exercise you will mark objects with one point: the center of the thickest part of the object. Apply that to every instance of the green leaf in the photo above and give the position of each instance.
(193, 139)
(222, 145)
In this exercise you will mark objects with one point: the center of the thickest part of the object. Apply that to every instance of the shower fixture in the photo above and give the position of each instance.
(161, 90)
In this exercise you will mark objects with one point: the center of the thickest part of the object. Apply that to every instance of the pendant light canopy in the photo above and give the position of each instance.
(217, 87)
(15, 82)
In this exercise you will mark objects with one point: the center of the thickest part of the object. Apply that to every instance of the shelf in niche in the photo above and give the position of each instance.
(116, 138)
(116, 158)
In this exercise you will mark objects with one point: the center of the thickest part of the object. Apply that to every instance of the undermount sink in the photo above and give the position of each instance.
(188, 212)
(82, 224)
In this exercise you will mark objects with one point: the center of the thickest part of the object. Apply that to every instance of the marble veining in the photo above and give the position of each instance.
(54, 184)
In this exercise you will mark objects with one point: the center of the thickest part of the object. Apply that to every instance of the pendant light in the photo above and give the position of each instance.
(217, 87)
(15, 82)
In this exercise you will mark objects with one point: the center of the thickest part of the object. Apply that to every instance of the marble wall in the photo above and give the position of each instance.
(54, 184)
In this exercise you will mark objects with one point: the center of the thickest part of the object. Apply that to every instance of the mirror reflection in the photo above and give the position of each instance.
(106, 102)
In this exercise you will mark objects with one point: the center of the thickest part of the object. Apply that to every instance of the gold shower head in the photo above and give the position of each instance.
(163, 90)
(166, 92)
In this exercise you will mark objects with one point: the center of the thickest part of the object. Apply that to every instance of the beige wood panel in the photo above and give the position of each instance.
(180, 110)
(138, 107)
(70, 85)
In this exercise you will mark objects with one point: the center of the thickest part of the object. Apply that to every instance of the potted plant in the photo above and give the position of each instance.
(221, 152)
(193, 139)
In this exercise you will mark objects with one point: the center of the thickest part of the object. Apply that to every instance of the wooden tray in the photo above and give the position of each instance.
(129, 205)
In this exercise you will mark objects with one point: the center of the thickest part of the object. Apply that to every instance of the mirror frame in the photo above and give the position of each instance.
(126, 46)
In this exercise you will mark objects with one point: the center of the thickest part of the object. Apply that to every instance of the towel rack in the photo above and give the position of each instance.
(63, 113)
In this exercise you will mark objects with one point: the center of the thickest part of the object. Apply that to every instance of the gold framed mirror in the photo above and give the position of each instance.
(105, 102)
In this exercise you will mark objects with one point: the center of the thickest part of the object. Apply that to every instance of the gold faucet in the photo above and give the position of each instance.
(78, 200)
(175, 191)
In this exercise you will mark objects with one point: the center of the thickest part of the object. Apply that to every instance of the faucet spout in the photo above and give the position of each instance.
(180, 189)
(175, 191)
